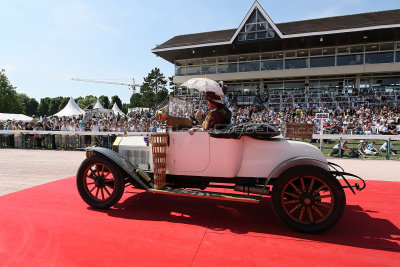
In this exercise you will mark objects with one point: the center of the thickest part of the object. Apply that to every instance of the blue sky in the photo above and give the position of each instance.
(45, 43)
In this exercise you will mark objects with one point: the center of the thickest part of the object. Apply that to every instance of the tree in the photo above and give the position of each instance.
(125, 108)
(31, 107)
(155, 81)
(43, 108)
(148, 99)
(9, 100)
(54, 105)
(104, 101)
(136, 100)
(115, 99)
(63, 103)
(84, 102)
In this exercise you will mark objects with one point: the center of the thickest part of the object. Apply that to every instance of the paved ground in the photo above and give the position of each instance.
(23, 169)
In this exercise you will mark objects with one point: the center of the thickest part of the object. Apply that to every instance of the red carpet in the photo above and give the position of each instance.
(50, 225)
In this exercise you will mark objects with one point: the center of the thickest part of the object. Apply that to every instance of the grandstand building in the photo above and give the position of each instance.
(334, 55)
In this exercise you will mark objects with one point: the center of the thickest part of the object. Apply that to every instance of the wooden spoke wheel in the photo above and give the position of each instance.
(99, 182)
(308, 199)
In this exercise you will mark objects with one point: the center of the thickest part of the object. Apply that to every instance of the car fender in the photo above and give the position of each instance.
(121, 162)
(296, 162)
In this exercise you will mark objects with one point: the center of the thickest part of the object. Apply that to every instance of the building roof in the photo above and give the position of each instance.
(364, 21)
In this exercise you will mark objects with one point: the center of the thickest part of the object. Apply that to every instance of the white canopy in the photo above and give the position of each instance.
(14, 117)
(71, 109)
(116, 109)
(98, 105)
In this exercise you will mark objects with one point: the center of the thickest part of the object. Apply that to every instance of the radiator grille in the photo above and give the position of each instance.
(139, 157)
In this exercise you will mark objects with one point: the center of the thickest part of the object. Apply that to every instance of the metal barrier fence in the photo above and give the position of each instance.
(59, 139)
(341, 137)
(74, 140)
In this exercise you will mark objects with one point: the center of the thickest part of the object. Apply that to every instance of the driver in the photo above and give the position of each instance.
(218, 117)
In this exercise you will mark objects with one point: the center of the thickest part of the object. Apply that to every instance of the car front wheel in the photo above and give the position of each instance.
(99, 182)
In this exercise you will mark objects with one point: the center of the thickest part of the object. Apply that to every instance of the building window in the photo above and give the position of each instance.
(256, 27)
(398, 56)
(227, 68)
(208, 69)
(272, 65)
(295, 85)
(193, 70)
(318, 62)
(179, 71)
(249, 66)
(350, 60)
(376, 58)
(296, 63)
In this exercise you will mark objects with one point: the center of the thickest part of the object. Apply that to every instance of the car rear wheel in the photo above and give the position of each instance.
(308, 199)
(99, 182)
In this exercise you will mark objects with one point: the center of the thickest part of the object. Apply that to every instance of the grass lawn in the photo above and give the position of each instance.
(327, 148)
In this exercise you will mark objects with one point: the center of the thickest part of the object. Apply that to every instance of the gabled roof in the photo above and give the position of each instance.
(321, 26)
(256, 5)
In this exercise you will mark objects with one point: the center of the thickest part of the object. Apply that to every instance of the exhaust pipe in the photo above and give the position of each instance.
(252, 189)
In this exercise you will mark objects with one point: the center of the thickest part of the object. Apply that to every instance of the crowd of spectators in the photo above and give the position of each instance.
(372, 117)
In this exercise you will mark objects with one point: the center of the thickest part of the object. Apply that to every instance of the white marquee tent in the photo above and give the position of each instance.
(71, 109)
(116, 109)
(14, 117)
(98, 105)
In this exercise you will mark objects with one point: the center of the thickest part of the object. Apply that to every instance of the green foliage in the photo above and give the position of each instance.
(135, 100)
(115, 99)
(31, 108)
(155, 82)
(148, 99)
(125, 108)
(104, 101)
(84, 102)
(43, 108)
(63, 103)
(9, 100)
(54, 105)
(152, 91)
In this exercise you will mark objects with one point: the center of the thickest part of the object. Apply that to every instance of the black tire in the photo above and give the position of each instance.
(308, 199)
(99, 182)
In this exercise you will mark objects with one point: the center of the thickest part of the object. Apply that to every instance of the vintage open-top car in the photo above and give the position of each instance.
(249, 159)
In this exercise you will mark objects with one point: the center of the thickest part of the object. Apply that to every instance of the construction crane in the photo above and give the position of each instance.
(133, 85)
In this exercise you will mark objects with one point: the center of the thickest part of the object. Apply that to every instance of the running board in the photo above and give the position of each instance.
(206, 194)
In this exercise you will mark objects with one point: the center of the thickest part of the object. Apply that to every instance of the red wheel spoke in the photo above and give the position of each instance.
(318, 190)
(325, 205)
(97, 170)
(301, 214)
(318, 211)
(105, 188)
(310, 215)
(295, 188)
(290, 202)
(311, 185)
(294, 209)
(102, 170)
(106, 175)
(303, 187)
(89, 183)
(292, 195)
(97, 192)
(91, 190)
(102, 193)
